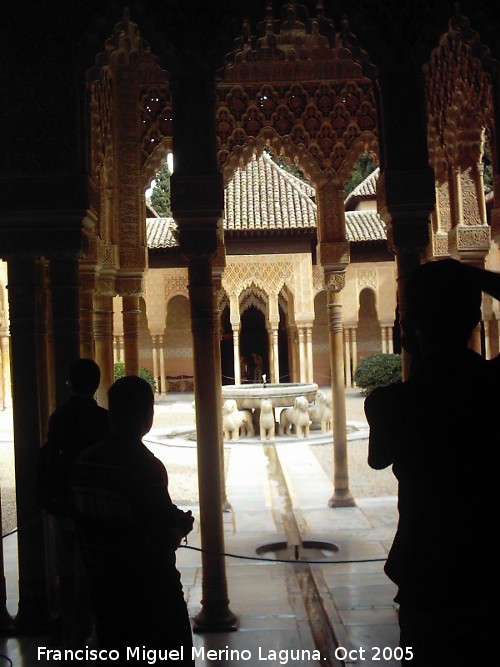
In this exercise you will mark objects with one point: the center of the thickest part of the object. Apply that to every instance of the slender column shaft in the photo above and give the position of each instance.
(354, 347)
(154, 353)
(487, 341)
(5, 352)
(104, 344)
(383, 333)
(163, 379)
(33, 598)
(390, 340)
(302, 355)
(209, 438)
(270, 347)
(309, 351)
(347, 357)
(342, 496)
(295, 355)
(236, 355)
(276, 355)
(131, 315)
(87, 324)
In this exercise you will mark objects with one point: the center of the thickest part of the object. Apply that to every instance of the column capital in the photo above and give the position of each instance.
(334, 281)
(129, 285)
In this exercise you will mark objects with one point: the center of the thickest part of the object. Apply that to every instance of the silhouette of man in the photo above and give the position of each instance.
(438, 433)
(74, 426)
(130, 530)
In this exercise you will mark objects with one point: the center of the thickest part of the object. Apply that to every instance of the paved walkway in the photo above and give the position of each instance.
(279, 495)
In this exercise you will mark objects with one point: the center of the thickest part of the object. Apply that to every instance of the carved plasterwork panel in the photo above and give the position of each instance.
(318, 279)
(469, 200)
(270, 276)
(176, 283)
(367, 278)
(459, 99)
(473, 238)
(288, 116)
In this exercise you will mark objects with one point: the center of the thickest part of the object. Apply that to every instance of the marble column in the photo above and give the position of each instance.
(163, 377)
(154, 354)
(390, 339)
(87, 287)
(215, 611)
(276, 354)
(103, 319)
(354, 348)
(270, 376)
(131, 316)
(309, 354)
(5, 352)
(334, 283)
(302, 354)
(197, 202)
(347, 356)
(33, 611)
(487, 340)
(383, 333)
(236, 355)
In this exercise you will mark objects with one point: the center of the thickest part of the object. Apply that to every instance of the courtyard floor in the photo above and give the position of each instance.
(340, 604)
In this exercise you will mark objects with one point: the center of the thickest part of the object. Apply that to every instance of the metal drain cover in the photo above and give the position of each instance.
(308, 550)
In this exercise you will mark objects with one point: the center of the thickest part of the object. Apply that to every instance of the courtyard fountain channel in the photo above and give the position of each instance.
(304, 555)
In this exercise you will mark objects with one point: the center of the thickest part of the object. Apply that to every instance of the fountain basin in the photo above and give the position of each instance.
(248, 396)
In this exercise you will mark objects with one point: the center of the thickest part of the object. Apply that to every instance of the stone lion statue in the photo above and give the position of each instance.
(266, 422)
(296, 419)
(236, 422)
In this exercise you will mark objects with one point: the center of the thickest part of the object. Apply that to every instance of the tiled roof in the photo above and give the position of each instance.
(367, 189)
(364, 226)
(262, 195)
(159, 233)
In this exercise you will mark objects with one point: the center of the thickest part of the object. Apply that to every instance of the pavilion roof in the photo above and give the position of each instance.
(263, 196)
(366, 190)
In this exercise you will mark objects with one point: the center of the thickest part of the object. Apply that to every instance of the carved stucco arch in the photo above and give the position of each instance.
(326, 141)
(270, 277)
(459, 100)
(256, 297)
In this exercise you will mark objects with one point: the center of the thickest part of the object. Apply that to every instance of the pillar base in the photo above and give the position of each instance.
(342, 499)
(7, 627)
(215, 619)
(33, 621)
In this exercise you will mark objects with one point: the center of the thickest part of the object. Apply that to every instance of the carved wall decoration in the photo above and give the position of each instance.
(459, 99)
(176, 284)
(269, 276)
(367, 278)
(469, 199)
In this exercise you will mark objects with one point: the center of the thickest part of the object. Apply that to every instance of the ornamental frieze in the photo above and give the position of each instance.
(473, 238)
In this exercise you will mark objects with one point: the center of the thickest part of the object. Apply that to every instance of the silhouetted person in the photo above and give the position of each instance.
(439, 432)
(257, 367)
(130, 530)
(74, 426)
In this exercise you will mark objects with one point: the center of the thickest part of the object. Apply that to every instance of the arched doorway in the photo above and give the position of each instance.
(254, 339)
(369, 338)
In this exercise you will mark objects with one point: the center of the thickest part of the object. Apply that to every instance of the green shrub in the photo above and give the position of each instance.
(378, 370)
(143, 373)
